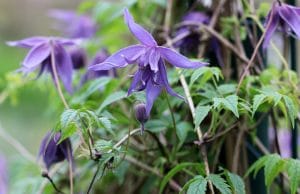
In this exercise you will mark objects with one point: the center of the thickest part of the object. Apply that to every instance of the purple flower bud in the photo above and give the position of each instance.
(52, 152)
(141, 114)
(78, 57)
(3, 176)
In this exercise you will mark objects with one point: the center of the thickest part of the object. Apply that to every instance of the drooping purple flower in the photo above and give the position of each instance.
(78, 57)
(3, 176)
(284, 17)
(40, 55)
(53, 152)
(74, 25)
(151, 74)
(190, 44)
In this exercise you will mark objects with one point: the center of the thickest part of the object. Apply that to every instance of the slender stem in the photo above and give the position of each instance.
(198, 129)
(61, 95)
(94, 178)
(45, 175)
(124, 139)
(17, 145)
(246, 70)
(171, 111)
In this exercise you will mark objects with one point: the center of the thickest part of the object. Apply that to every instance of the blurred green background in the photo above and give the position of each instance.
(25, 119)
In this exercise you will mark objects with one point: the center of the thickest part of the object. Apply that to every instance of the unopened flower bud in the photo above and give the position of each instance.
(141, 114)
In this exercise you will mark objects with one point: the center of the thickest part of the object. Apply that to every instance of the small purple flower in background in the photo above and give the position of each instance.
(78, 57)
(99, 58)
(284, 17)
(190, 44)
(52, 152)
(151, 75)
(3, 176)
(73, 25)
(40, 55)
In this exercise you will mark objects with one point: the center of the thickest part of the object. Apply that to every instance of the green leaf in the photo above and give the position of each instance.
(273, 166)
(226, 88)
(105, 122)
(219, 183)
(257, 101)
(206, 73)
(68, 117)
(293, 170)
(103, 146)
(291, 109)
(175, 170)
(230, 102)
(200, 113)
(111, 99)
(236, 183)
(182, 130)
(187, 184)
(198, 186)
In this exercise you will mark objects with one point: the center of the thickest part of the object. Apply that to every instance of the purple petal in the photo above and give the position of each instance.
(28, 42)
(119, 59)
(135, 81)
(164, 79)
(291, 17)
(178, 60)
(274, 17)
(36, 56)
(138, 31)
(64, 66)
(152, 92)
(154, 57)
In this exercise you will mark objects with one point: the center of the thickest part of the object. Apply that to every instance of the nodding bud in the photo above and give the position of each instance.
(141, 115)
(78, 57)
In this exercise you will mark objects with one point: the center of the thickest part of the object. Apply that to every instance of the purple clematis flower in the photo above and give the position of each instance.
(190, 44)
(3, 176)
(284, 17)
(73, 25)
(40, 55)
(151, 75)
(52, 152)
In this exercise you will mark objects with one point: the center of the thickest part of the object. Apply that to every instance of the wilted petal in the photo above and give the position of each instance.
(28, 42)
(64, 66)
(36, 56)
(290, 16)
(152, 91)
(138, 31)
(178, 60)
(164, 79)
(118, 59)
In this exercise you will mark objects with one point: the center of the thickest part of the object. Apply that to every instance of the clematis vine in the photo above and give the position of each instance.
(53, 152)
(151, 74)
(284, 17)
(73, 25)
(41, 49)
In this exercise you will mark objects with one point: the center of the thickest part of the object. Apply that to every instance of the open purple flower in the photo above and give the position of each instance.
(52, 152)
(284, 17)
(73, 25)
(151, 75)
(40, 55)
(3, 175)
(190, 44)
